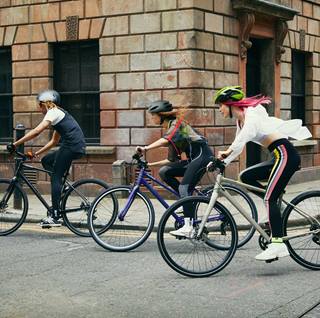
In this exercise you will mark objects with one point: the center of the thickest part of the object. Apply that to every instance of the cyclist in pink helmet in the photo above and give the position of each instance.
(254, 124)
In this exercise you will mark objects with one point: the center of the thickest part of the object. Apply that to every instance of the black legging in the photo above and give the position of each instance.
(279, 170)
(58, 162)
(171, 170)
(191, 171)
(260, 171)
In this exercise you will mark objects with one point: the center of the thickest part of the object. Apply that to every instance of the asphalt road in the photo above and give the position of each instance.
(52, 273)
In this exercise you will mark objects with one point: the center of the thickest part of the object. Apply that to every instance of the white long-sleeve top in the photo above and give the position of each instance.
(258, 124)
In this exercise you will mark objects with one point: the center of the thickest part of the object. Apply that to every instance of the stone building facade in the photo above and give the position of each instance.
(180, 50)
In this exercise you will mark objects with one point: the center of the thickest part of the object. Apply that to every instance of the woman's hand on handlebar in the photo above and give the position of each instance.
(140, 149)
(30, 155)
(223, 154)
(11, 148)
(216, 164)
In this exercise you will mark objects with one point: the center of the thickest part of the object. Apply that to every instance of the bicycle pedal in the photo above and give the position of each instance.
(46, 226)
(272, 260)
(180, 238)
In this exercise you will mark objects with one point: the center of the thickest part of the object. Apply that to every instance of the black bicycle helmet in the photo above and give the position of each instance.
(49, 95)
(160, 106)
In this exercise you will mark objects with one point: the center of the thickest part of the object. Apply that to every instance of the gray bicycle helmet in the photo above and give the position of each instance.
(160, 106)
(49, 95)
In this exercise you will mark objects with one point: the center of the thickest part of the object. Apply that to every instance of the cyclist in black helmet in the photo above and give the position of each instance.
(180, 138)
(72, 146)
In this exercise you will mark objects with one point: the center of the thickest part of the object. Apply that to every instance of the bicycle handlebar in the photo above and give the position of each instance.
(23, 156)
(141, 163)
(216, 164)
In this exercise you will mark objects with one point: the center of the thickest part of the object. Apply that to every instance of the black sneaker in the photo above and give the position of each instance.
(49, 222)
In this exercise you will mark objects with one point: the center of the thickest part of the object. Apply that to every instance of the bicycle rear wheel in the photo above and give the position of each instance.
(245, 229)
(114, 231)
(203, 256)
(13, 207)
(76, 203)
(305, 250)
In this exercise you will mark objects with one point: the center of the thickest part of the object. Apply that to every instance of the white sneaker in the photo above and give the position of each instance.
(49, 222)
(273, 251)
(179, 210)
(186, 231)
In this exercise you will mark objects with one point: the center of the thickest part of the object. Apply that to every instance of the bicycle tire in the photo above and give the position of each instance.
(121, 235)
(79, 197)
(304, 250)
(201, 261)
(245, 229)
(11, 218)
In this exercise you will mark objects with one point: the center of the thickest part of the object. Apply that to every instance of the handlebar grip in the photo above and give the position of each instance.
(11, 148)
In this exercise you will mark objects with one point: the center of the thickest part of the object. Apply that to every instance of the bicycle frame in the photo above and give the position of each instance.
(20, 176)
(141, 180)
(219, 190)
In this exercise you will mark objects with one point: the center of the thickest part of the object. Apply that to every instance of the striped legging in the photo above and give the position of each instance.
(285, 162)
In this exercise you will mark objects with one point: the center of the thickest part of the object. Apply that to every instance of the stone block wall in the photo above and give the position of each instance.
(180, 50)
(304, 35)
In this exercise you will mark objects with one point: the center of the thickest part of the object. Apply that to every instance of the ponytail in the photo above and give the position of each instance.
(249, 101)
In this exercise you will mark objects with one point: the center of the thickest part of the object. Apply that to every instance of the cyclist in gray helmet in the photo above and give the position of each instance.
(72, 146)
(188, 154)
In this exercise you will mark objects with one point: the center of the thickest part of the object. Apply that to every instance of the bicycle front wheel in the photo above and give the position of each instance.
(198, 256)
(76, 203)
(124, 227)
(13, 207)
(245, 229)
(301, 221)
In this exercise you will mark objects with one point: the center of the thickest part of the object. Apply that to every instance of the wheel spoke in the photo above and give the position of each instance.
(121, 234)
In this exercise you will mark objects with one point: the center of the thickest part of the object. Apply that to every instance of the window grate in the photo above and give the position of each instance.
(76, 77)
(298, 85)
(6, 114)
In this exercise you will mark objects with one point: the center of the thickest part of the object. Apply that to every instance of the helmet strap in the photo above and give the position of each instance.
(230, 112)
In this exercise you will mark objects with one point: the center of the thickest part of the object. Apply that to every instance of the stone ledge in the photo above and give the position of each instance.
(265, 7)
(100, 150)
(304, 143)
(305, 175)
(90, 150)
(3, 149)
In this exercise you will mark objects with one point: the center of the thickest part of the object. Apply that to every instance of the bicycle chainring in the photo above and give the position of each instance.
(263, 243)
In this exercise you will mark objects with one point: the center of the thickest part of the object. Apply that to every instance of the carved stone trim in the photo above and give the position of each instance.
(72, 27)
(246, 20)
(302, 39)
(281, 32)
(265, 7)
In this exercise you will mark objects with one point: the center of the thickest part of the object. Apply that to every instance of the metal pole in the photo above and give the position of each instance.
(20, 132)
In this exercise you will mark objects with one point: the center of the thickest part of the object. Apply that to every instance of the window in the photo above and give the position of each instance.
(298, 85)
(6, 114)
(76, 78)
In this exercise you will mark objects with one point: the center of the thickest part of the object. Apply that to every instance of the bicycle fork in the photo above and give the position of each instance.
(132, 195)
(7, 194)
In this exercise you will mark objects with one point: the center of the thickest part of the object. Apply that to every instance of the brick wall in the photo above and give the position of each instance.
(181, 50)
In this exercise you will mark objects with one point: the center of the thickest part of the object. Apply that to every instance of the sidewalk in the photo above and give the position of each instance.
(37, 210)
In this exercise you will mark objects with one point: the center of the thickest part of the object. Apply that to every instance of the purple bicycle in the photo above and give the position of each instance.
(122, 217)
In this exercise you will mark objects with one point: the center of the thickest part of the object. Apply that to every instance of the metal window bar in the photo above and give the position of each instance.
(76, 75)
(298, 85)
(6, 114)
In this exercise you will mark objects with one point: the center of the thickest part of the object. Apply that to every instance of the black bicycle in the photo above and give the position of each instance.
(75, 203)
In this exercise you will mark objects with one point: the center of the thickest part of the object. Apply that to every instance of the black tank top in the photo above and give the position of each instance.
(71, 134)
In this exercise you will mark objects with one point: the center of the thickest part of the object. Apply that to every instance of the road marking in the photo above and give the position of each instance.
(34, 227)
(71, 245)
